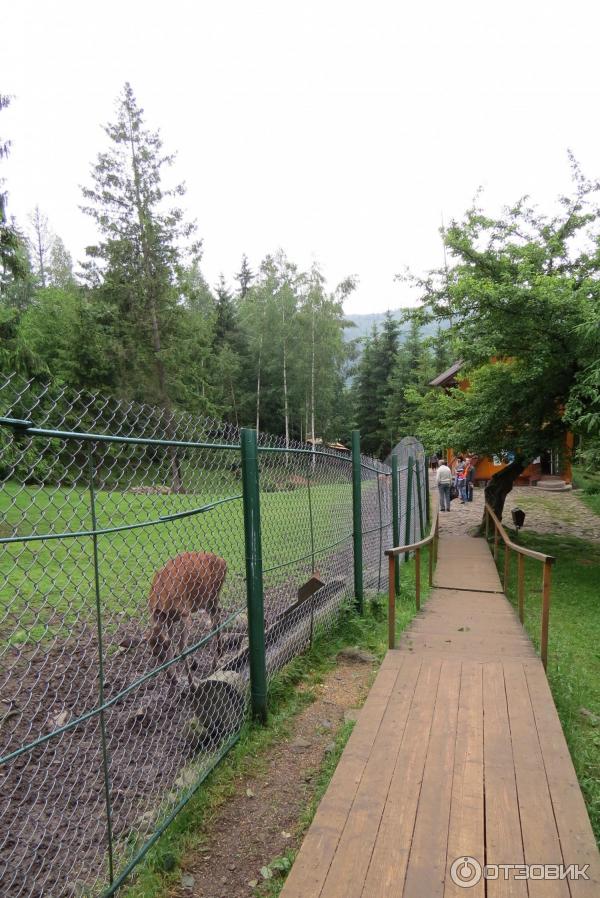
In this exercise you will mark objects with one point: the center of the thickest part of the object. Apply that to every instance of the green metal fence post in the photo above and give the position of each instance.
(409, 497)
(420, 500)
(254, 575)
(100, 639)
(427, 498)
(396, 520)
(310, 519)
(312, 557)
(380, 532)
(357, 521)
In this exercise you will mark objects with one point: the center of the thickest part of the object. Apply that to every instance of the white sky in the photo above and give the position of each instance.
(338, 130)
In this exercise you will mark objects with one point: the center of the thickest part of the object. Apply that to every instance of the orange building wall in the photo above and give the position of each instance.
(485, 468)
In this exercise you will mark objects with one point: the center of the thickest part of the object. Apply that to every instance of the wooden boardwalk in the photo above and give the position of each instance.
(458, 753)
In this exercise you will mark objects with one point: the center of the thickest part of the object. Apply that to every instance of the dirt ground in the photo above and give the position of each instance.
(260, 822)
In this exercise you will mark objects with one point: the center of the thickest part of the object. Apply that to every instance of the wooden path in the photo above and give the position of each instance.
(458, 752)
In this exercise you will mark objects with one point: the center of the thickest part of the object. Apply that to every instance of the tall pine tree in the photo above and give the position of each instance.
(142, 243)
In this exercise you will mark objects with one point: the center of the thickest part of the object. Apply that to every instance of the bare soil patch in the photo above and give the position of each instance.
(261, 821)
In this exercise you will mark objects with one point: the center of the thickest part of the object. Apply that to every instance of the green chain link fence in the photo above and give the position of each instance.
(105, 731)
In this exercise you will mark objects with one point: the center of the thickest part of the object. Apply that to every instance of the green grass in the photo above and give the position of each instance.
(191, 828)
(583, 479)
(574, 646)
(281, 865)
(47, 586)
(589, 482)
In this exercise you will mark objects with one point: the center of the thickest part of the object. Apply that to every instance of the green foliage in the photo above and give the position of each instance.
(574, 659)
(136, 263)
(13, 255)
(519, 294)
(144, 324)
(388, 373)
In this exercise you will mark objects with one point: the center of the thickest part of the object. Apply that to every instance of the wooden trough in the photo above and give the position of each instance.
(219, 700)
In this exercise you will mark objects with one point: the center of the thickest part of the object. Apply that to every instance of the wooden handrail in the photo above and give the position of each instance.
(522, 552)
(530, 553)
(411, 548)
(392, 554)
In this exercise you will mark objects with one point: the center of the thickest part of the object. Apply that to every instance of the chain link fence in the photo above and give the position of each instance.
(142, 585)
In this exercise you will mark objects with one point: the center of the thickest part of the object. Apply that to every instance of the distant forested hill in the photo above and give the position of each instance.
(363, 324)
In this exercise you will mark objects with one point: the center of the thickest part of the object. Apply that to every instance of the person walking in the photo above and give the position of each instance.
(470, 476)
(434, 461)
(459, 473)
(443, 479)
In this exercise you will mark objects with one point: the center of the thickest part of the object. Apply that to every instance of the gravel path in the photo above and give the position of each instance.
(546, 512)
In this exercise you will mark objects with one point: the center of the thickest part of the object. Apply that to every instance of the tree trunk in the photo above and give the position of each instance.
(285, 389)
(237, 423)
(501, 484)
(258, 386)
(312, 386)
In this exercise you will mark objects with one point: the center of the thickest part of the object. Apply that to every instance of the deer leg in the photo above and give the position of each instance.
(218, 639)
(186, 629)
(170, 651)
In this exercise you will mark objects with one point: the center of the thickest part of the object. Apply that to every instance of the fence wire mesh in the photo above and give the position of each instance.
(124, 653)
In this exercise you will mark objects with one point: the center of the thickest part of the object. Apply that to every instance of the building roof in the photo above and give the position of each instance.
(447, 377)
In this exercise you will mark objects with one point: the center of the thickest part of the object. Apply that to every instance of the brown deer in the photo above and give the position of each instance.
(190, 582)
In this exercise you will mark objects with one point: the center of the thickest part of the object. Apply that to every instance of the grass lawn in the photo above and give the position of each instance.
(574, 647)
(47, 586)
(589, 482)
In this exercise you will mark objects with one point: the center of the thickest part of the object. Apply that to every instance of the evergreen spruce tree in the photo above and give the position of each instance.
(366, 386)
(245, 276)
(136, 262)
(13, 255)
(385, 361)
(225, 323)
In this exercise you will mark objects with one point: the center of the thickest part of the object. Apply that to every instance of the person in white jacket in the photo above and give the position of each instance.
(443, 479)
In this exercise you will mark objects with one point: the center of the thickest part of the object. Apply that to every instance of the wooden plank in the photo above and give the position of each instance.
(349, 865)
(538, 827)
(389, 858)
(466, 836)
(312, 863)
(468, 625)
(466, 563)
(426, 871)
(458, 752)
(504, 844)
(574, 828)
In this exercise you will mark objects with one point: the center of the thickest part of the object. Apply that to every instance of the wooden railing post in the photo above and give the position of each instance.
(506, 567)
(487, 524)
(392, 602)
(522, 553)
(396, 518)
(521, 587)
(431, 551)
(394, 553)
(546, 586)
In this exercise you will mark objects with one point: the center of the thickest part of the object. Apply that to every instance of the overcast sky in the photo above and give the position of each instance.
(340, 131)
